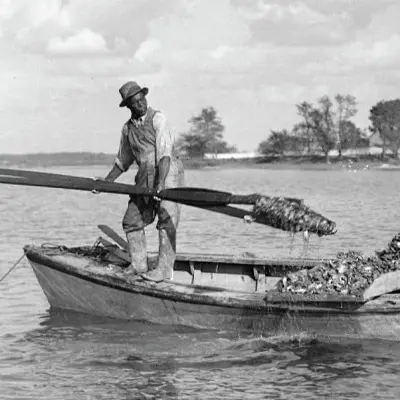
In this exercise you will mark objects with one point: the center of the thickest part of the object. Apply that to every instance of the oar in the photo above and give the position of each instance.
(211, 200)
(114, 236)
(44, 179)
(186, 195)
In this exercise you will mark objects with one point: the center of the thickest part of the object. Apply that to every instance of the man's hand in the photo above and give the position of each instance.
(159, 188)
(97, 178)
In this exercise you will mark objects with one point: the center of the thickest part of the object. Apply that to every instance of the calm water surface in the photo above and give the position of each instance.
(59, 355)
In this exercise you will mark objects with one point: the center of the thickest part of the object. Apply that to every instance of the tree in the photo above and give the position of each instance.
(192, 144)
(345, 109)
(327, 125)
(275, 144)
(303, 129)
(318, 124)
(205, 135)
(295, 143)
(280, 142)
(352, 136)
(385, 120)
(323, 125)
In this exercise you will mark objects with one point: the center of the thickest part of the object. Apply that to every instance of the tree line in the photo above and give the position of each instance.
(327, 126)
(322, 127)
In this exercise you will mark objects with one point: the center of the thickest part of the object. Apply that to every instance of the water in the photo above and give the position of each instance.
(62, 355)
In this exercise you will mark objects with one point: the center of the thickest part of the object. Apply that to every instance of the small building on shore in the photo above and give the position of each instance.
(232, 156)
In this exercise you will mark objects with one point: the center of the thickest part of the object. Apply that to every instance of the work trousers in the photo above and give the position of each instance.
(142, 211)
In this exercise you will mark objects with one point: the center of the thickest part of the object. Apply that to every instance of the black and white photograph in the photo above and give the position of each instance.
(199, 199)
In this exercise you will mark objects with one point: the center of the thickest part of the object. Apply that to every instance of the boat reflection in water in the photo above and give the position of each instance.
(130, 358)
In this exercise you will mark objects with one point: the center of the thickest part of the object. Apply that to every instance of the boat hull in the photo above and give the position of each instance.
(86, 293)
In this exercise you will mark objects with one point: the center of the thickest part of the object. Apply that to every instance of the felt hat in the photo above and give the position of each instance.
(129, 89)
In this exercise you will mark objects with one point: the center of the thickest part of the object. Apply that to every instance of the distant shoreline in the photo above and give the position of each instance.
(308, 162)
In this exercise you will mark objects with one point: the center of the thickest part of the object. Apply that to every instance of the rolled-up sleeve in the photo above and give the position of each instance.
(165, 138)
(125, 157)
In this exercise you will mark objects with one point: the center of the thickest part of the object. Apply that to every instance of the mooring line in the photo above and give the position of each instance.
(9, 271)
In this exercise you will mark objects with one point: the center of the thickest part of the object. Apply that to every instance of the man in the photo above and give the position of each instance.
(148, 140)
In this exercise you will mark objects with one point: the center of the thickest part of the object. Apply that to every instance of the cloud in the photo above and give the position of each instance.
(286, 93)
(373, 51)
(379, 53)
(279, 12)
(147, 48)
(296, 23)
(6, 9)
(195, 41)
(84, 42)
(221, 51)
(32, 23)
(194, 27)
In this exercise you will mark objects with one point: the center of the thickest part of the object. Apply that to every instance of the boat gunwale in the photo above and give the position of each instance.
(240, 259)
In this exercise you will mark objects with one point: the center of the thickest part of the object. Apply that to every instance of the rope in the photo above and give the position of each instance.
(54, 249)
(9, 271)
(57, 249)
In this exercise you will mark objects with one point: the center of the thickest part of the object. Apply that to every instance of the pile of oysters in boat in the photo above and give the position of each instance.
(350, 273)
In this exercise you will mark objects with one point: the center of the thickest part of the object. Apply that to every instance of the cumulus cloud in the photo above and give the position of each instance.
(123, 24)
(84, 42)
(26, 14)
(374, 48)
(285, 93)
(298, 10)
(379, 53)
(147, 48)
(197, 42)
(221, 51)
(6, 9)
(296, 23)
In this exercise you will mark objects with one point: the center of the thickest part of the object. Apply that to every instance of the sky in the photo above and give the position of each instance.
(63, 61)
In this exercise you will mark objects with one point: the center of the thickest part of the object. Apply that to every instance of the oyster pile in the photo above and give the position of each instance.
(291, 215)
(349, 273)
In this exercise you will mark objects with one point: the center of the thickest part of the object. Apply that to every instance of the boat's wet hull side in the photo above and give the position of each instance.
(66, 291)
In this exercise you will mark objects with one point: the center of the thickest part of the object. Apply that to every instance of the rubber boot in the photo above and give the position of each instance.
(138, 252)
(166, 258)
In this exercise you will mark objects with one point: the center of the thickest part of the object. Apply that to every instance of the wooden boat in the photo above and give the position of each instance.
(208, 291)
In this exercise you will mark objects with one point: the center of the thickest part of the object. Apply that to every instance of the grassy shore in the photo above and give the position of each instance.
(299, 162)
(311, 162)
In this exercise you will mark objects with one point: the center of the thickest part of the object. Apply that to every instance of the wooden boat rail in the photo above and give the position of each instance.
(244, 273)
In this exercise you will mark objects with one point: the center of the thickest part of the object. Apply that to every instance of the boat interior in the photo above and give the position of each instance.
(243, 273)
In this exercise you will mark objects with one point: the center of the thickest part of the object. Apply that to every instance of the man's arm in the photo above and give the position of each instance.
(163, 169)
(114, 173)
(124, 158)
(164, 146)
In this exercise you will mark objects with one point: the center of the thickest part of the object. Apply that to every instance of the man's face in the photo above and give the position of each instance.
(137, 104)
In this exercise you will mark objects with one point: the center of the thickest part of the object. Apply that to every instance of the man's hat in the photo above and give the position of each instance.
(130, 89)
